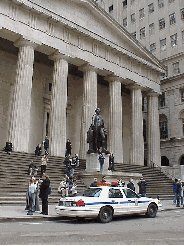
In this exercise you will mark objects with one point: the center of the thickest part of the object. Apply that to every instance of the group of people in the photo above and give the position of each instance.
(38, 149)
(142, 184)
(101, 159)
(38, 189)
(178, 188)
(67, 186)
(32, 170)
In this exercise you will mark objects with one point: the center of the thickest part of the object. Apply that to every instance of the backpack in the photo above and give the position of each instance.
(50, 190)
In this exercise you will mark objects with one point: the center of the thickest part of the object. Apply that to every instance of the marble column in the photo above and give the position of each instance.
(89, 105)
(137, 147)
(21, 98)
(115, 119)
(153, 141)
(57, 130)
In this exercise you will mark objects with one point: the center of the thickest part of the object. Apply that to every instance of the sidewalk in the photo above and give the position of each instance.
(18, 213)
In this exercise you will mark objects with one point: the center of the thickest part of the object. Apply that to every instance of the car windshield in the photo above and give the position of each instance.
(94, 192)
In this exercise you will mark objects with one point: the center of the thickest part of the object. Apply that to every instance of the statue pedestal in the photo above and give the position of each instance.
(92, 162)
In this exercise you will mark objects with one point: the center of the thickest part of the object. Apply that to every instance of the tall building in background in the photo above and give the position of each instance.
(159, 26)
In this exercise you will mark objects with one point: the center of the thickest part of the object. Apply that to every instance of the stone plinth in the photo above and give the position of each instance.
(92, 163)
(88, 177)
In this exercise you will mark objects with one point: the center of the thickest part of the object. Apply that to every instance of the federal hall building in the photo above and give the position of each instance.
(62, 59)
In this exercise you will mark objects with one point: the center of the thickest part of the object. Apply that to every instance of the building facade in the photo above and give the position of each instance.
(62, 59)
(159, 26)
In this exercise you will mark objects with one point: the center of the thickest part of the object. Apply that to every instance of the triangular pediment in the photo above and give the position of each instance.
(91, 20)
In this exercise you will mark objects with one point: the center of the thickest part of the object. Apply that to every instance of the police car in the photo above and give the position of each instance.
(104, 202)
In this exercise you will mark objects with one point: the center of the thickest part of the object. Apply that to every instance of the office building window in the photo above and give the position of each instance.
(182, 14)
(163, 130)
(182, 33)
(172, 19)
(151, 8)
(160, 4)
(111, 9)
(124, 4)
(141, 13)
(182, 94)
(133, 18)
(153, 48)
(161, 24)
(163, 44)
(174, 40)
(142, 33)
(176, 68)
(151, 28)
(162, 100)
(134, 34)
(125, 22)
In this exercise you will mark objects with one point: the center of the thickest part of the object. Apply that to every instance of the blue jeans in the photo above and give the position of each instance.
(101, 166)
(175, 197)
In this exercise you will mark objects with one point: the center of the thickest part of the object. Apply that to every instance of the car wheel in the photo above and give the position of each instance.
(151, 211)
(105, 215)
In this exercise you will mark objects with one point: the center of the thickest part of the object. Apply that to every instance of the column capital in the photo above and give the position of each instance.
(112, 78)
(88, 67)
(134, 86)
(22, 42)
(153, 94)
(58, 56)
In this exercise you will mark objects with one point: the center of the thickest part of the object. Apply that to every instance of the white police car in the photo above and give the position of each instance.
(104, 202)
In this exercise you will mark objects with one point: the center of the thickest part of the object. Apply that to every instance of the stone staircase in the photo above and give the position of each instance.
(158, 184)
(14, 176)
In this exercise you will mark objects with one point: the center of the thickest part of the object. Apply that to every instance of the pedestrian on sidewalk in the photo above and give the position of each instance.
(178, 192)
(131, 185)
(142, 187)
(94, 183)
(174, 190)
(32, 190)
(44, 191)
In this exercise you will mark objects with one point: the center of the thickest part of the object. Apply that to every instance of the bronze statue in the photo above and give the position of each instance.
(96, 136)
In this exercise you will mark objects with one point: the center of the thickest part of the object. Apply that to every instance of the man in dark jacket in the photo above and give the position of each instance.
(131, 185)
(94, 184)
(8, 147)
(142, 187)
(44, 191)
(46, 145)
(67, 162)
(178, 192)
(68, 147)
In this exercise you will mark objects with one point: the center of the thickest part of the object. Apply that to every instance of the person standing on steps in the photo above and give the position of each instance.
(8, 147)
(46, 145)
(44, 191)
(68, 147)
(44, 161)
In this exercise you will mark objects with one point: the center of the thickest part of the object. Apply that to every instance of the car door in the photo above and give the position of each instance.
(116, 200)
(134, 205)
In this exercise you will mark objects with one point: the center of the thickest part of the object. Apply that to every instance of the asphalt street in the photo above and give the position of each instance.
(166, 228)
